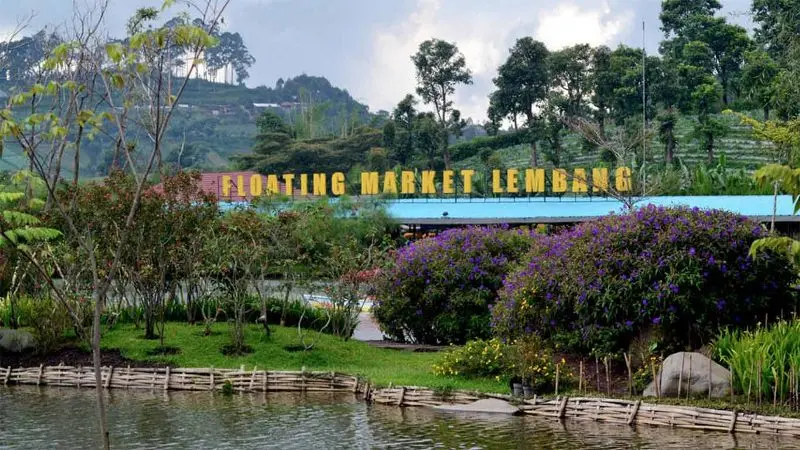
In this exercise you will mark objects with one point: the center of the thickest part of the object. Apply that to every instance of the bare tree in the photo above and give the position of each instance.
(624, 146)
(102, 73)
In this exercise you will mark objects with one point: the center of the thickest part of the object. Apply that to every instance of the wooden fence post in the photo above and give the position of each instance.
(110, 374)
(252, 378)
(211, 382)
(563, 408)
(39, 378)
(8, 375)
(634, 411)
(402, 396)
(166, 380)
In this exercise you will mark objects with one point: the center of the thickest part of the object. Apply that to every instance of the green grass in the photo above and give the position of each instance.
(380, 366)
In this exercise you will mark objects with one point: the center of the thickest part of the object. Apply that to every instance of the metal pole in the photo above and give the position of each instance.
(644, 111)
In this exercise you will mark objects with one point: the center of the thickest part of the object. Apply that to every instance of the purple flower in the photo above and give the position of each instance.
(692, 251)
(656, 320)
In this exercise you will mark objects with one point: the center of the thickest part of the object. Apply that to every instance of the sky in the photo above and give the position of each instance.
(365, 46)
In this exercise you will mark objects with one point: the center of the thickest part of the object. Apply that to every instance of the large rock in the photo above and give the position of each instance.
(488, 405)
(695, 381)
(16, 341)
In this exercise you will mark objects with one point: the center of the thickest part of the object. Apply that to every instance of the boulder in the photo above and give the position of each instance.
(696, 381)
(487, 405)
(16, 341)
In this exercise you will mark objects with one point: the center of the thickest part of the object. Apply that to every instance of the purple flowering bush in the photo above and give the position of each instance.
(675, 273)
(438, 290)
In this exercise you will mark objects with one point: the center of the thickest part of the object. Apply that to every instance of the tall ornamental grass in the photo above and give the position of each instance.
(764, 361)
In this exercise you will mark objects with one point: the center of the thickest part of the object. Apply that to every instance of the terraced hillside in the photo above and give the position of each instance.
(740, 147)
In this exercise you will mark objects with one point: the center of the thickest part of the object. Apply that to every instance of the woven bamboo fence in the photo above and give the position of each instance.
(637, 413)
(623, 412)
(166, 378)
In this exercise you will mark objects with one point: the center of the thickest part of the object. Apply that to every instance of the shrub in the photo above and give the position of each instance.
(438, 290)
(48, 320)
(477, 358)
(532, 362)
(682, 272)
(768, 358)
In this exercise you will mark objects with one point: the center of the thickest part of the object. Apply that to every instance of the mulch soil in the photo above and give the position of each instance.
(71, 356)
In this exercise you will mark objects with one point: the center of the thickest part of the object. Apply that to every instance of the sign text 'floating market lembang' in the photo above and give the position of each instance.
(430, 182)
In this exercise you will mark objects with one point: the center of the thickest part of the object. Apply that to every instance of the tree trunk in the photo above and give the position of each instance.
(710, 148)
(285, 305)
(98, 375)
(446, 148)
(534, 156)
(670, 148)
(766, 113)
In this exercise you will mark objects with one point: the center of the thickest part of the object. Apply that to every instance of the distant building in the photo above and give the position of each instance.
(241, 186)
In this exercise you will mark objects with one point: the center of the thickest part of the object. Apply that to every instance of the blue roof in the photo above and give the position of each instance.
(568, 209)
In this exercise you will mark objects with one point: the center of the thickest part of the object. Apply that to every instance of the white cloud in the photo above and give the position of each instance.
(483, 36)
(569, 24)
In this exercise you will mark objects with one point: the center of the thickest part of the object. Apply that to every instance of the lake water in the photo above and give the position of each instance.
(39, 418)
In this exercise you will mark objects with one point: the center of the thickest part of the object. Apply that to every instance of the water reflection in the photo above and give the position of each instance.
(33, 417)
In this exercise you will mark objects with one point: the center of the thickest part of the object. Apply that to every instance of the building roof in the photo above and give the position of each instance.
(575, 209)
(211, 183)
(543, 210)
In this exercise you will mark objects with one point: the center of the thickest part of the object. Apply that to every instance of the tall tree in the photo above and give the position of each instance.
(778, 26)
(440, 68)
(570, 72)
(687, 21)
(403, 116)
(523, 82)
(758, 78)
(231, 52)
(677, 15)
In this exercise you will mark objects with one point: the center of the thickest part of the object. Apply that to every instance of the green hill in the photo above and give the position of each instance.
(215, 121)
(739, 146)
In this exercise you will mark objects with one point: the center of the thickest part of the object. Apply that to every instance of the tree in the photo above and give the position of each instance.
(604, 84)
(707, 129)
(758, 78)
(666, 133)
(403, 116)
(677, 15)
(571, 77)
(123, 78)
(440, 68)
(778, 27)
(690, 21)
(523, 83)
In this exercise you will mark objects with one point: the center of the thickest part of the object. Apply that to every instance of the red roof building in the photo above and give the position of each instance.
(243, 186)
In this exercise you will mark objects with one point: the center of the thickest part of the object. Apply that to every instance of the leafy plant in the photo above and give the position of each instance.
(763, 358)
(478, 358)
(685, 272)
(440, 290)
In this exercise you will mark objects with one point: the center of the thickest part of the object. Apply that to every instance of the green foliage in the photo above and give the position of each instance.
(763, 358)
(440, 68)
(682, 272)
(47, 319)
(439, 290)
(477, 358)
(472, 148)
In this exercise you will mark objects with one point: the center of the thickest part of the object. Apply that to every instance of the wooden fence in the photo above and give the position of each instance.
(183, 379)
(623, 412)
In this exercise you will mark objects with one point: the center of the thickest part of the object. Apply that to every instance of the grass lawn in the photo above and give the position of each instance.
(380, 366)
